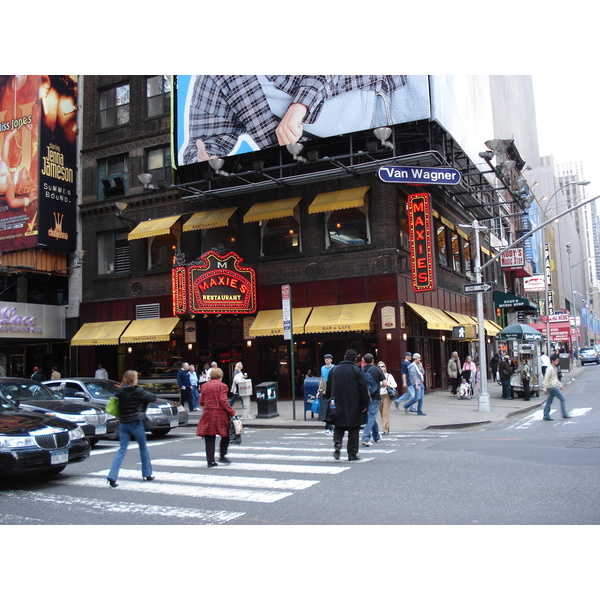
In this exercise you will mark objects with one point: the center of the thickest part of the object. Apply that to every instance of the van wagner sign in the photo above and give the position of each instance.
(213, 284)
(421, 247)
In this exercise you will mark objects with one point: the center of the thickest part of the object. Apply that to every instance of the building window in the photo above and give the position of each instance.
(114, 107)
(112, 177)
(218, 237)
(280, 236)
(348, 227)
(442, 244)
(403, 227)
(158, 96)
(113, 253)
(162, 249)
(467, 256)
(456, 261)
(158, 164)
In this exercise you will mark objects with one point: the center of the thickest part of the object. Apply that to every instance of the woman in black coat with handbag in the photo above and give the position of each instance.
(347, 385)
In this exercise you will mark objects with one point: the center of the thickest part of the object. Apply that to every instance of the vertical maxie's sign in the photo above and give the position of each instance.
(421, 248)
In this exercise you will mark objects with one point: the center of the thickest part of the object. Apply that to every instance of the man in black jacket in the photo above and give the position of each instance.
(348, 386)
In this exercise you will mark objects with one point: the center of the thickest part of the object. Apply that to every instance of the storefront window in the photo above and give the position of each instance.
(456, 262)
(467, 256)
(348, 227)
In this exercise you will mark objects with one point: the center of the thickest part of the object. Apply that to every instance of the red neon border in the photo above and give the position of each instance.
(417, 252)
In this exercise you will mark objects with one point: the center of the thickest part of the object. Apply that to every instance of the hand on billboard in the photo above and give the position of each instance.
(290, 129)
(202, 153)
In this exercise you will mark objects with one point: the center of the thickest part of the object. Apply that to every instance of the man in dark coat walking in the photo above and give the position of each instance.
(348, 386)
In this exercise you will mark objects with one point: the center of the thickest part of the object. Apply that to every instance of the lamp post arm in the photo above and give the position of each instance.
(535, 229)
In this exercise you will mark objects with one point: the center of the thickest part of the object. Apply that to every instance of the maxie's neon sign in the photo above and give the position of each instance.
(421, 248)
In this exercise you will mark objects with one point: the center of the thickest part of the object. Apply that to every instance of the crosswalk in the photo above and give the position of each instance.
(260, 472)
(538, 415)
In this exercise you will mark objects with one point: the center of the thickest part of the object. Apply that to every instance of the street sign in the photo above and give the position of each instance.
(427, 175)
(474, 288)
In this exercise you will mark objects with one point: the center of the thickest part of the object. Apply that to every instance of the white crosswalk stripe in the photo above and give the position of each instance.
(243, 466)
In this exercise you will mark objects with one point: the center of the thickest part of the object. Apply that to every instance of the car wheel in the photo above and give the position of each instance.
(160, 432)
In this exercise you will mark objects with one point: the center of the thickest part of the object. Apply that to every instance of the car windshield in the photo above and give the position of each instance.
(102, 388)
(25, 390)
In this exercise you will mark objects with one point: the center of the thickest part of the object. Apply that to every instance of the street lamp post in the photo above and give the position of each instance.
(572, 293)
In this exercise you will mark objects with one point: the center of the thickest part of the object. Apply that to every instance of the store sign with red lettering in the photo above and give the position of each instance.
(214, 284)
(421, 242)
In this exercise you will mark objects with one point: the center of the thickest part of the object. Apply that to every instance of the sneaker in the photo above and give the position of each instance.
(367, 444)
(377, 441)
(328, 432)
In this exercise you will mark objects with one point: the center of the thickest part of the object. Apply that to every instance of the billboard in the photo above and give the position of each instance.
(38, 146)
(222, 115)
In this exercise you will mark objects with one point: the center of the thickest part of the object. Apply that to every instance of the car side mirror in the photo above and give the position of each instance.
(80, 395)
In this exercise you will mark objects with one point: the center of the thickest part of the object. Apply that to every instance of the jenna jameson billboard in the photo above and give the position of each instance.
(38, 145)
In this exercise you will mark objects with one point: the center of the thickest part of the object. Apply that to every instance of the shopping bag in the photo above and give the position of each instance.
(316, 406)
(112, 407)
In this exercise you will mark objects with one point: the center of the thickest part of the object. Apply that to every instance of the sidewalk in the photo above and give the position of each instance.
(442, 411)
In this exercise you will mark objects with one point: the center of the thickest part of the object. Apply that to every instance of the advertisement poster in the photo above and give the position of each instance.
(221, 115)
(38, 131)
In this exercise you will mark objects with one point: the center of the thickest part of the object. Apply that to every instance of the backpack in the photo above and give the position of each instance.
(371, 383)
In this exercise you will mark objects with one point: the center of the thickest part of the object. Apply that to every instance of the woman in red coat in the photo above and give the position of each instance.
(215, 416)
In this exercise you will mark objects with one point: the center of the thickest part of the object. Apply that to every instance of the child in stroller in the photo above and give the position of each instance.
(465, 389)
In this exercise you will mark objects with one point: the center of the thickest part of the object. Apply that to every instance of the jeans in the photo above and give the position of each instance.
(195, 396)
(233, 398)
(409, 394)
(418, 397)
(371, 428)
(506, 393)
(126, 432)
(552, 393)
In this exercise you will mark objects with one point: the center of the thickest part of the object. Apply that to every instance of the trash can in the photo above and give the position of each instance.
(311, 387)
(565, 361)
(267, 394)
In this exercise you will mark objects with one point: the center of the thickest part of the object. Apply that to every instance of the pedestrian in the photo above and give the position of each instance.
(409, 390)
(371, 429)
(453, 368)
(545, 362)
(246, 404)
(37, 375)
(184, 385)
(505, 371)
(417, 377)
(55, 373)
(213, 365)
(195, 390)
(348, 387)
(525, 377)
(133, 402)
(386, 401)
(101, 372)
(553, 387)
(215, 419)
(494, 366)
(234, 388)
(468, 370)
(325, 370)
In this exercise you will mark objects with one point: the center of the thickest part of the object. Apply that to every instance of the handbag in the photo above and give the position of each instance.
(316, 406)
(391, 392)
(238, 426)
(112, 407)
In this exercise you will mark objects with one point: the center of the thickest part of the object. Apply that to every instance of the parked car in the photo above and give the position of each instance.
(161, 415)
(587, 355)
(36, 397)
(33, 443)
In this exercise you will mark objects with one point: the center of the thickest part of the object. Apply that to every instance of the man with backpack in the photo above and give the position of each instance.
(374, 375)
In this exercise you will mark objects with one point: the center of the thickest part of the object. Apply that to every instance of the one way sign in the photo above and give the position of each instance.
(474, 288)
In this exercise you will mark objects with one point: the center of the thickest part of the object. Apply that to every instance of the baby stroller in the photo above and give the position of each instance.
(465, 389)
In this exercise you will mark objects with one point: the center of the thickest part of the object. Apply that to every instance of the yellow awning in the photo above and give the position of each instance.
(462, 319)
(149, 330)
(276, 209)
(209, 219)
(328, 201)
(105, 333)
(340, 317)
(435, 318)
(270, 322)
(491, 328)
(153, 227)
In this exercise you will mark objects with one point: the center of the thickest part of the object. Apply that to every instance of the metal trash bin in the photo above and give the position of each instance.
(267, 394)
(311, 387)
(565, 361)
